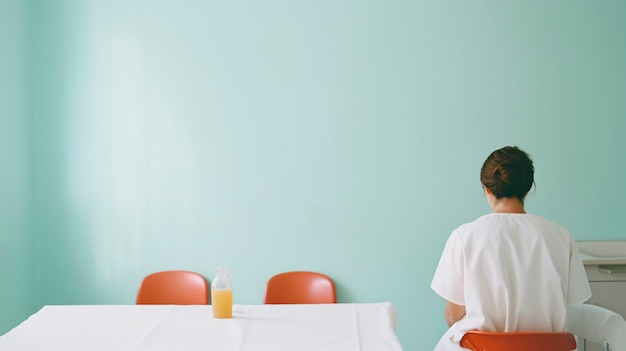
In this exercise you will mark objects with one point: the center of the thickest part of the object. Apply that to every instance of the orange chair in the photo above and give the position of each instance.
(518, 341)
(173, 288)
(299, 288)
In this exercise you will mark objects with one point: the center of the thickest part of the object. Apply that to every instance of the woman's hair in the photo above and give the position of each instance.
(508, 172)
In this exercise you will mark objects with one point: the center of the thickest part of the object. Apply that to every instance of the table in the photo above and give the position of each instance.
(327, 327)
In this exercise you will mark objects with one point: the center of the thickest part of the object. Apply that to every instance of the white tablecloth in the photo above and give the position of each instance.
(327, 327)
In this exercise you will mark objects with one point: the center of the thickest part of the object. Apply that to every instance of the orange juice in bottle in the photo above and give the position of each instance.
(222, 294)
(222, 303)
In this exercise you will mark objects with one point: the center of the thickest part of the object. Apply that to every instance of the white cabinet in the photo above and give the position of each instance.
(605, 264)
(608, 289)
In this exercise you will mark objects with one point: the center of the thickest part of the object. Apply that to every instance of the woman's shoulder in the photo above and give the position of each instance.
(486, 219)
(492, 221)
(478, 224)
(539, 220)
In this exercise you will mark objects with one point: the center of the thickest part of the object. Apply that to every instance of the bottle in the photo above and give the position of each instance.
(222, 294)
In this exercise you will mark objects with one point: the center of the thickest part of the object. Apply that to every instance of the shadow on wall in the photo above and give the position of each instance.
(344, 293)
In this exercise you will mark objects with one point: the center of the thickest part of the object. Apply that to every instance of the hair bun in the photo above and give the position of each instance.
(508, 172)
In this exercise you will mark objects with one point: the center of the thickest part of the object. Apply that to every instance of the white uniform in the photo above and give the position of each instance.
(512, 272)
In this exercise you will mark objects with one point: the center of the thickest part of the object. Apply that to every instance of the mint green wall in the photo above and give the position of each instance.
(341, 137)
(17, 273)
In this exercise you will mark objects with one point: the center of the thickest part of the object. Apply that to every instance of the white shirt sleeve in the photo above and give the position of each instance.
(579, 290)
(449, 279)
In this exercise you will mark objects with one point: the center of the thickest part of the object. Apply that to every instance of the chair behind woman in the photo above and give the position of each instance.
(518, 341)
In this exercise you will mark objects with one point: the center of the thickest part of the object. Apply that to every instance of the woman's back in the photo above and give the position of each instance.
(508, 270)
(517, 269)
(516, 272)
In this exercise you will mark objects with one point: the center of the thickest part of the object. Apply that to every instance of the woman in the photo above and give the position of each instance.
(508, 270)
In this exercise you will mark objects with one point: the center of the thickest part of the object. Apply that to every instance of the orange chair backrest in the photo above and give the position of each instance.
(518, 341)
(299, 288)
(173, 288)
